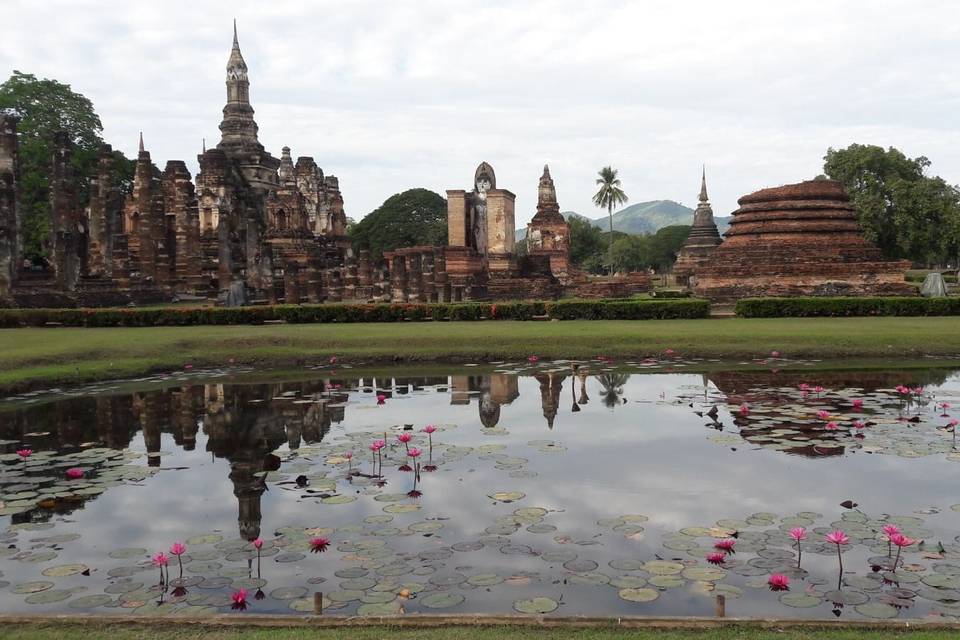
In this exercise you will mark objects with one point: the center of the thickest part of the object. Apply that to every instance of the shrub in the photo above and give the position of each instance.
(851, 306)
(619, 309)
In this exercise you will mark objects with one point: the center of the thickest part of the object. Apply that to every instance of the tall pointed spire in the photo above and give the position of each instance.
(236, 43)
(703, 185)
(141, 142)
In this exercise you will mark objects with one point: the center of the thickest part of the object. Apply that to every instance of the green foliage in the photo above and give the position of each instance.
(804, 307)
(657, 251)
(412, 218)
(905, 212)
(586, 243)
(609, 195)
(639, 309)
(46, 107)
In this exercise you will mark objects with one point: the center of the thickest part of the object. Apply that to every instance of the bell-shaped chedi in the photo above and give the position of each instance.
(798, 240)
(701, 242)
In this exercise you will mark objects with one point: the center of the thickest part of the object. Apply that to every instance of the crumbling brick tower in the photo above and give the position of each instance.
(9, 206)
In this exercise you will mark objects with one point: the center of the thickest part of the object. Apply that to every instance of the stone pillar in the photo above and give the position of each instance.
(9, 205)
(398, 279)
(291, 290)
(120, 259)
(335, 286)
(181, 202)
(440, 277)
(106, 208)
(66, 225)
(458, 223)
(364, 275)
(315, 281)
(428, 277)
(350, 282)
(414, 277)
(501, 229)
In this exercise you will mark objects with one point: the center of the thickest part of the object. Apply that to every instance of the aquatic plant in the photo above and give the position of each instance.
(161, 560)
(726, 545)
(716, 557)
(239, 598)
(74, 473)
(178, 549)
(798, 534)
(778, 582)
(319, 544)
(901, 541)
(838, 538)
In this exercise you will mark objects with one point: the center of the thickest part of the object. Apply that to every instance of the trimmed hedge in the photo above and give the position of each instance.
(823, 307)
(331, 313)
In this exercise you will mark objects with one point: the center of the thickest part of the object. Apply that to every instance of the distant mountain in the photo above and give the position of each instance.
(643, 217)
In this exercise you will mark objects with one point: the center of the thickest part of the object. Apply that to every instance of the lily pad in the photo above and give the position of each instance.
(443, 600)
(877, 610)
(539, 605)
(64, 570)
(639, 595)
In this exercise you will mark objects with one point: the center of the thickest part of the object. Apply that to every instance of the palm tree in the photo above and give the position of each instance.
(609, 195)
(612, 387)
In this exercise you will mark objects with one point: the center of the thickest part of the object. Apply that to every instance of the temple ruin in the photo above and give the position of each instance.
(798, 240)
(704, 238)
(252, 228)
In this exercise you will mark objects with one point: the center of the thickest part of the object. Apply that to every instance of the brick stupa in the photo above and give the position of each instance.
(798, 240)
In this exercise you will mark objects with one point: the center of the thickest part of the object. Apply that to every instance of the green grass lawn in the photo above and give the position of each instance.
(169, 630)
(64, 355)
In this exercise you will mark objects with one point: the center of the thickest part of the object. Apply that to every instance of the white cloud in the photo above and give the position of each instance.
(390, 96)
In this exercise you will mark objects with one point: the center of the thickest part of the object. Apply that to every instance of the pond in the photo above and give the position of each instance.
(560, 488)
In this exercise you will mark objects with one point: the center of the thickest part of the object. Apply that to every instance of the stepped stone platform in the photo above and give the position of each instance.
(798, 240)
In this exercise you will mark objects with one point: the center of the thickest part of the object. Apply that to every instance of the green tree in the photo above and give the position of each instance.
(45, 107)
(586, 243)
(609, 195)
(412, 218)
(905, 212)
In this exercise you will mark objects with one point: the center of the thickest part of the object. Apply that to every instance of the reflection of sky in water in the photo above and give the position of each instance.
(646, 453)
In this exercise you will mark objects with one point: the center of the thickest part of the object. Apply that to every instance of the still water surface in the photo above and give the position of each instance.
(590, 488)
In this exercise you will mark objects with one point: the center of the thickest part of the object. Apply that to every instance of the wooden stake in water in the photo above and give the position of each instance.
(720, 609)
(318, 603)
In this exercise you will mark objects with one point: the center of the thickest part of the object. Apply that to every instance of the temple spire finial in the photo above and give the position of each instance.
(236, 42)
(141, 142)
(703, 185)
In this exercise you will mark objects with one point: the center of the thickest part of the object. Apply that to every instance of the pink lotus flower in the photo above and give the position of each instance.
(239, 598)
(953, 423)
(258, 544)
(803, 386)
(160, 560)
(832, 426)
(779, 582)
(533, 359)
(902, 389)
(818, 389)
(25, 453)
(348, 455)
(669, 352)
(891, 529)
(774, 354)
(381, 399)
(74, 473)
(716, 558)
(823, 414)
(429, 429)
(178, 548)
(188, 366)
(405, 437)
(858, 404)
(744, 409)
(838, 537)
(376, 445)
(333, 359)
(319, 545)
(798, 533)
(725, 545)
(901, 540)
(858, 425)
(918, 391)
(414, 452)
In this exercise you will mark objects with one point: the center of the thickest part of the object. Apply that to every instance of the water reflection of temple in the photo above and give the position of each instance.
(492, 392)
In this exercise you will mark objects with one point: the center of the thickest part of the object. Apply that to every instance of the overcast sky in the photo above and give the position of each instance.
(389, 95)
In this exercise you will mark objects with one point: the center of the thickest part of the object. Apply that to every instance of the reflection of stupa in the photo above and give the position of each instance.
(777, 394)
(551, 384)
(245, 434)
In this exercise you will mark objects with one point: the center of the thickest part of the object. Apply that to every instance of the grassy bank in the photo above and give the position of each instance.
(65, 355)
(168, 630)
